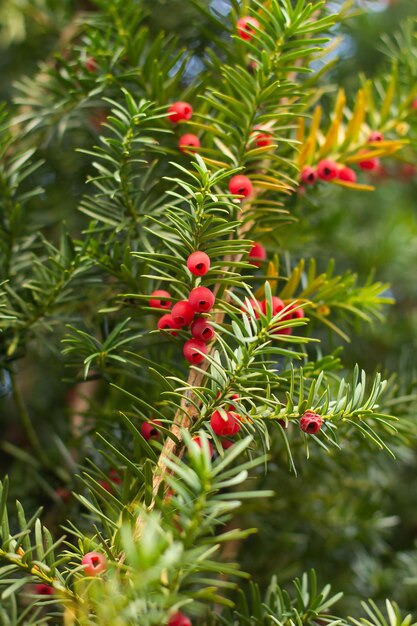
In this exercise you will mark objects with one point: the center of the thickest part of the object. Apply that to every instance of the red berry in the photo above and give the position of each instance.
(277, 305)
(246, 27)
(167, 323)
(308, 175)
(107, 486)
(188, 141)
(91, 65)
(182, 313)
(94, 563)
(414, 104)
(201, 299)
(224, 423)
(160, 299)
(44, 590)
(240, 186)
(198, 263)
(226, 444)
(237, 420)
(180, 111)
(114, 476)
(197, 440)
(263, 139)
(63, 493)
(192, 351)
(369, 164)
(327, 169)
(347, 174)
(258, 253)
(293, 311)
(310, 423)
(202, 330)
(375, 136)
(149, 431)
(256, 306)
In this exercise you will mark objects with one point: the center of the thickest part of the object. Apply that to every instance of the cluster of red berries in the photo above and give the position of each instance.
(182, 112)
(200, 300)
(293, 312)
(328, 170)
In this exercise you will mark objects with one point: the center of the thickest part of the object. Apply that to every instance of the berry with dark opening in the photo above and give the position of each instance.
(310, 423)
(160, 299)
(293, 311)
(179, 111)
(224, 423)
(257, 254)
(347, 174)
(194, 351)
(246, 27)
(202, 330)
(198, 263)
(375, 136)
(187, 142)
(327, 169)
(240, 185)
(201, 299)
(94, 563)
(308, 175)
(166, 322)
(182, 313)
(277, 305)
(149, 431)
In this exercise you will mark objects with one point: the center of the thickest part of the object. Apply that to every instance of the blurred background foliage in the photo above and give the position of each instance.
(359, 512)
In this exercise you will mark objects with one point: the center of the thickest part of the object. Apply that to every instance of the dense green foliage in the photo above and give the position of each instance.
(99, 208)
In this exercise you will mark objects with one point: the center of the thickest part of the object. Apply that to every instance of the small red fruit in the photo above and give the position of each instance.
(187, 142)
(197, 440)
(240, 186)
(347, 174)
(277, 305)
(246, 27)
(369, 164)
(308, 175)
(375, 136)
(262, 139)
(198, 263)
(91, 65)
(201, 299)
(226, 444)
(202, 330)
(160, 299)
(224, 423)
(194, 351)
(166, 322)
(257, 254)
(179, 111)
(149, 431)
(327, 169)
(310, 423)
(94, 563)
(294, 311)
(182, 313)
(44, 590)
